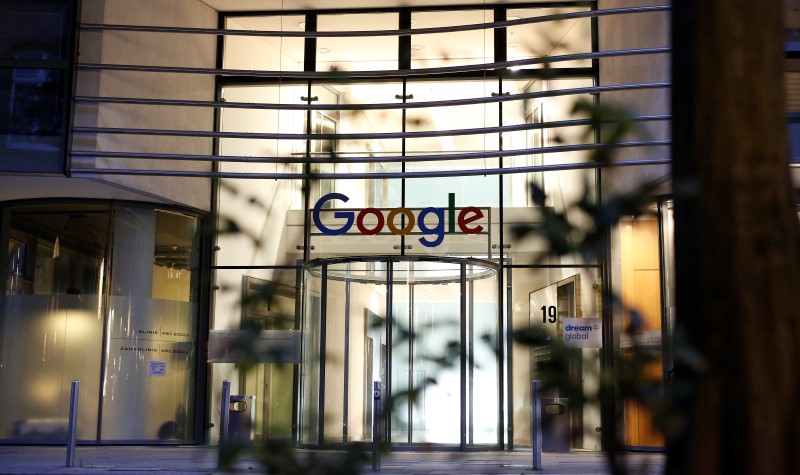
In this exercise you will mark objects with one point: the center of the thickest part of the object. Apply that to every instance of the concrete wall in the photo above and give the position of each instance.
(152, 49)
(634, 31)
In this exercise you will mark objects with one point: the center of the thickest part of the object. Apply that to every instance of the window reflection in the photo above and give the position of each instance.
(32, 34)
(32, 28)
(30, 127)
(51, 327)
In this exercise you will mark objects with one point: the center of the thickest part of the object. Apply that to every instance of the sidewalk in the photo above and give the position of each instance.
(203, 460)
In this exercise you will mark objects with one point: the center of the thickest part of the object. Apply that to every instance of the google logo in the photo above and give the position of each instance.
(433, 234)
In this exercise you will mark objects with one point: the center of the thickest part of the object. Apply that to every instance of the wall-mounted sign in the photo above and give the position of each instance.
(582, 332)
(156, 368)
(269, 346)
(430, 221)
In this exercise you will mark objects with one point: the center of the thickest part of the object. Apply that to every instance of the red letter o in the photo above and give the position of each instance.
(360, 221)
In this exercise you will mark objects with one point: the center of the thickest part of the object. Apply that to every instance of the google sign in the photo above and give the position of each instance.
(434, 232)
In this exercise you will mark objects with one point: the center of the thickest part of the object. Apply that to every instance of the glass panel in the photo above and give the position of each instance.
(340, 152)
(357, 53)
(550, 38)
(354, 349)
(368, 305)
(262, 121)
(150, 372)
(564, 189)
(264, 53)
(424, 364)
(269, 305)
(481, 191)
(471, 116)
(483, 382)
(258, 207)
(310, 366)
(336, 157)
(542, 111)
(454, 48)
(402, 382)
(33, 30)
(326, 150)
(51, 327)
(31, 121)
(336, 338)
(436, 322)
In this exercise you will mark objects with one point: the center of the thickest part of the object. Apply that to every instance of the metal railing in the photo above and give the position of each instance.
(115, 156)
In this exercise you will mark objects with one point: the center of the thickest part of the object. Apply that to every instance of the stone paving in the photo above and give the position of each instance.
(203, 460)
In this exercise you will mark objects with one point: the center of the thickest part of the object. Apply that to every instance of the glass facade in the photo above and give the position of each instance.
(403, 242)
(106, 295)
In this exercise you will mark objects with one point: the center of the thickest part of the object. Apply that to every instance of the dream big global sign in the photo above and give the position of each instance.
(433, 223)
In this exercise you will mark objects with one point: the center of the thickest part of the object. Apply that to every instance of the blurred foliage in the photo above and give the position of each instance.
(583, 228)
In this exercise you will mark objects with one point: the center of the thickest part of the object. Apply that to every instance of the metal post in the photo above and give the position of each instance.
(72, 429)
(377, 417)
(536, 425)
(224, 415)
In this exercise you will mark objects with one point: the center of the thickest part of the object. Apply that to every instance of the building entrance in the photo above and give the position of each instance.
(426, 328)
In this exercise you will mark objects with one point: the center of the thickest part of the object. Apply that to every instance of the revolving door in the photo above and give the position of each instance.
(426, 328)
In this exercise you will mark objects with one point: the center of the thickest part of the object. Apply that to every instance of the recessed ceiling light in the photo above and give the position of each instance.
(324, 50)
(302, 25)
(511, 18)
(417, 47)
(513, 45)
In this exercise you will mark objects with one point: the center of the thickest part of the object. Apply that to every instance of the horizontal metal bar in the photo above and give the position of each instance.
(370, 33)
(77, 171)
(383, 106)
(366, 159)
(334, 75)
(353, 136)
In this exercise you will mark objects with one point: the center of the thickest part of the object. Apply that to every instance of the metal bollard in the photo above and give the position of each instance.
(223, 418)
(536, 425)
(223, 414)
(376, 425)
(72, 428)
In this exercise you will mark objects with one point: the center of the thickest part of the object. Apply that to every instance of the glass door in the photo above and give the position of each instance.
(426, 349)
(426, 330)
(271, 381)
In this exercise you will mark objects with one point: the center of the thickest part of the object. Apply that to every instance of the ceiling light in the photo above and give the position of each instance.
(302, 25)
(324, 50)
(417, 47)
(512, 18)
(413, 22)
(513, 45)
